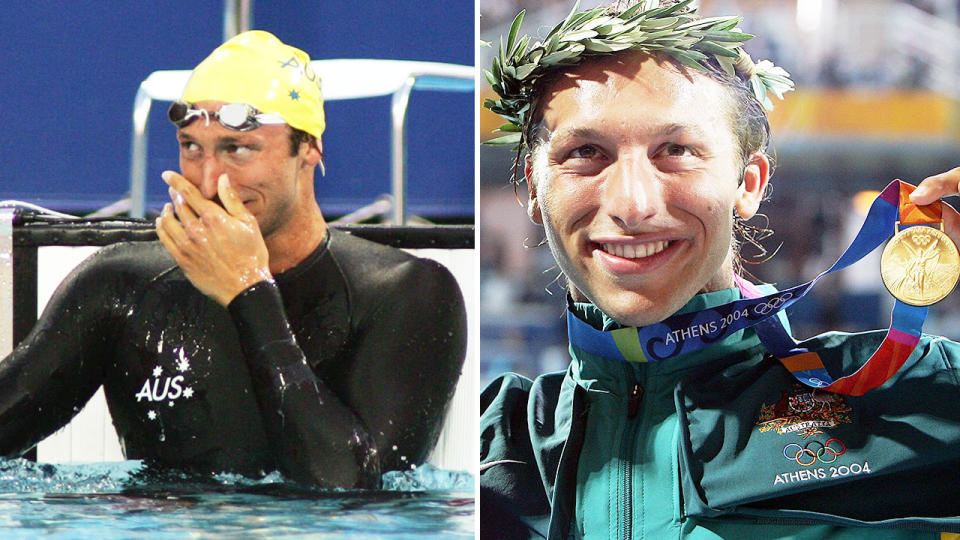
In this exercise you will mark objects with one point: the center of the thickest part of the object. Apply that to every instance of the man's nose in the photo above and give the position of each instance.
(212, 169)
(632, 192)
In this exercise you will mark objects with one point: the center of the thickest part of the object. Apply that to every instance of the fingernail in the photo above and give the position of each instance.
(223, 179)
(166, 175)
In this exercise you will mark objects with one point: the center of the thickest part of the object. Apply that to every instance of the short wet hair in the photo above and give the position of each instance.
(298, 137)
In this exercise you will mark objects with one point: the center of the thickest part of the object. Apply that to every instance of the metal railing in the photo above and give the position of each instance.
(342, 79)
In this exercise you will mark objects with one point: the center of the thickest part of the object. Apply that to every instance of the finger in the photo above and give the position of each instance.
(166, 233)
(168, 224)
(231, 201)
(936, 187)
(951, 223)
(181, 193)
(184, 211)
(168, 242)
(178, 182)
(191, 195)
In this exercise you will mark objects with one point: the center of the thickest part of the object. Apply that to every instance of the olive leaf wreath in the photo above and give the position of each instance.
(674, 30)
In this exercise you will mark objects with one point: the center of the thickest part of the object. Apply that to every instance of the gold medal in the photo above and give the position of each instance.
(920, 265)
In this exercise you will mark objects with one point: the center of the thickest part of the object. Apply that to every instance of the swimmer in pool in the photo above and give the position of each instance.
(252, 337)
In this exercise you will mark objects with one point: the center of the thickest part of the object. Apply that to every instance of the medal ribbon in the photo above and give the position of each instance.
(688, 332)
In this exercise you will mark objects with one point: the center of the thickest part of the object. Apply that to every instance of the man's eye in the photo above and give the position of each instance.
(189, 147)
(675, 150)
(586, 151)
(238, 149)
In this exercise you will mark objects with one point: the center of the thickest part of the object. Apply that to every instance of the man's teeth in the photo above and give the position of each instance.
(636, 251)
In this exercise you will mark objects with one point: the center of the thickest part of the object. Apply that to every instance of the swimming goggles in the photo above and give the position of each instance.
(235, 116)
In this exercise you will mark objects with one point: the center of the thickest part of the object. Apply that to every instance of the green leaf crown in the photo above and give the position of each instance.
(674, 30)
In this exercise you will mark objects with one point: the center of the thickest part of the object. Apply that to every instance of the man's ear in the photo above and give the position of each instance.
(755, 177)
(533, 204)
(311, 151)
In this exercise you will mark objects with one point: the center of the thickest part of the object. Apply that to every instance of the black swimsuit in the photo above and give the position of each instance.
(340, 370)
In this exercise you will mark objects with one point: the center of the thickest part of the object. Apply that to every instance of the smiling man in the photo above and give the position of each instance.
(687, 410)
(625, 182)
(252, 338)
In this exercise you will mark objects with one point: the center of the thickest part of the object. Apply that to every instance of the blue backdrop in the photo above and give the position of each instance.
(70, 71)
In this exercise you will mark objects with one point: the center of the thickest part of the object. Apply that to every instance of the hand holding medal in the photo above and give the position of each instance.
(920, 265)
(934, 188)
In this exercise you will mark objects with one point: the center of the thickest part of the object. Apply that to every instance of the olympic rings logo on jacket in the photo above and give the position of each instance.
(806, 456)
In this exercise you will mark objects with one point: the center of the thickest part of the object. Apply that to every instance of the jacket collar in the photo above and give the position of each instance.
(596, 373)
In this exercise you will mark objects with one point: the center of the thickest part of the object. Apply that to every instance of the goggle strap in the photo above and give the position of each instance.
(252, 118)
(269, 118)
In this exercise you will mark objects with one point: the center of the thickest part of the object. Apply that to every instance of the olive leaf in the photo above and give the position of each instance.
(675, 30)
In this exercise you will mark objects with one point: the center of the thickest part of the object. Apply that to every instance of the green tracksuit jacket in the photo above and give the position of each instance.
(723, 443)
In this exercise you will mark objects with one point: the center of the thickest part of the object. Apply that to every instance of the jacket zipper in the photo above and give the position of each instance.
(633, 403)
(627, 448)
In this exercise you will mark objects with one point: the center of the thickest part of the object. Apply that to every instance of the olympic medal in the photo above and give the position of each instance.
(920, 265)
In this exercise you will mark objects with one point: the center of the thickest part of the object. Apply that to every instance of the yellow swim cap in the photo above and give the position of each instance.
(258, 69)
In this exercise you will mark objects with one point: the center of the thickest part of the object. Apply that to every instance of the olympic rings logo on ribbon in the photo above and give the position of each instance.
(774, 304)
(806, 457)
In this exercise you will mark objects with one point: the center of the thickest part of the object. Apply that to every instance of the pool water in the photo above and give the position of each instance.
(121, 500)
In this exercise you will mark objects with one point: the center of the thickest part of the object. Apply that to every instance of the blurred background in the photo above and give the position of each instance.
(71, 71)
(878, 98)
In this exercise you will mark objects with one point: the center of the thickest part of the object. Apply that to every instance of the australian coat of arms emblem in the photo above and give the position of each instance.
(804, 411)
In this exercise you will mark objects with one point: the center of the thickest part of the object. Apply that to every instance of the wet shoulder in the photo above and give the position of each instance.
(371, 259)
(143, 259)
(373, 271)
(120, 267)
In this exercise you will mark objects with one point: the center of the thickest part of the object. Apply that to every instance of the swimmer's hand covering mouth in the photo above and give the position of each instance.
(219, 248)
